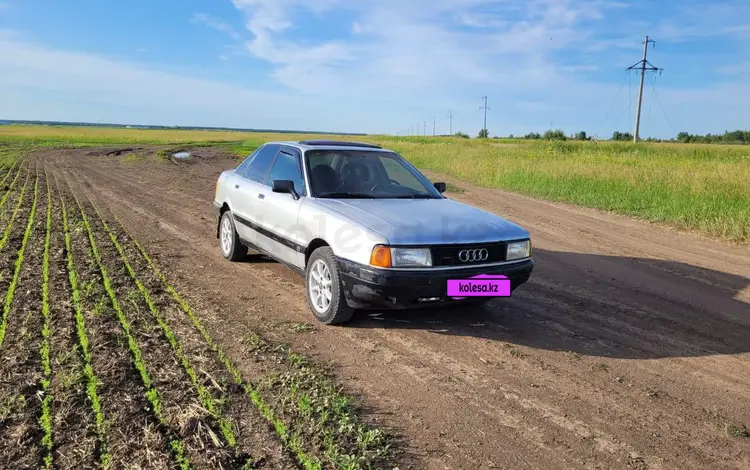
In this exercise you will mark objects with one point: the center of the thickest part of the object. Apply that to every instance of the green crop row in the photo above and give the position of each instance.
(92, 383)
(7, 175)
(225, 424)
(176, 445)
(9, 225)
(45, 420)
(290, 440)
(19, 262)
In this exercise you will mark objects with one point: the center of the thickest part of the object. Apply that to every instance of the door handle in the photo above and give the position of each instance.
(236, 186)
(261, 196)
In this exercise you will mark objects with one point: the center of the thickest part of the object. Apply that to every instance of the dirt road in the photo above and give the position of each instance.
(628, 348)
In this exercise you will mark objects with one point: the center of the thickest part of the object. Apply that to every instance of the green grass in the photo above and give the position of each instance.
(733, 430)
(131, 158)
(700, 187)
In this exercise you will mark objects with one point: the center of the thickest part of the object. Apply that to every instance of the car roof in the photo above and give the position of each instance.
(322, 144)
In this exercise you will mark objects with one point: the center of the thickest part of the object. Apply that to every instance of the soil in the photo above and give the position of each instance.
(628, 348)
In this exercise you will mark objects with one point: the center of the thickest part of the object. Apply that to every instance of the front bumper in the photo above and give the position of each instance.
(366, 287)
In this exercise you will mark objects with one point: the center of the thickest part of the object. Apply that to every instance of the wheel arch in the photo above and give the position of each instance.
(314, 244)
(224, 208)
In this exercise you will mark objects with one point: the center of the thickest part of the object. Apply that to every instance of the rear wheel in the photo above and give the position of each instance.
(231, 246)
(323, 287)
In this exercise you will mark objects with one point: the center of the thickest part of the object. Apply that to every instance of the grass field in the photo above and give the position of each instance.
(705, 188)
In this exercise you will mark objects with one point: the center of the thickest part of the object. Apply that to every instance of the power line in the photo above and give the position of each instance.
(642, 65)
(611, 105)
(651, 103)
(662, 109)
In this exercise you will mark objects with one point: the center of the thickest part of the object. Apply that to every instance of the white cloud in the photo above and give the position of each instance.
(216, 24)
(402, 62)
(152, 95)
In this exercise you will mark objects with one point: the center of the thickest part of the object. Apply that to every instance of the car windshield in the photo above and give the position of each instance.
(366, 175)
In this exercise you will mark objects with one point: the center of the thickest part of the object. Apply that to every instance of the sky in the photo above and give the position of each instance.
(379, 66)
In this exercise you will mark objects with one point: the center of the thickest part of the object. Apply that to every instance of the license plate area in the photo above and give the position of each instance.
(483, 285)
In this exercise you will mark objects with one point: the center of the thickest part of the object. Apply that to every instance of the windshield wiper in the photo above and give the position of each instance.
(347, 195)
(415, 196)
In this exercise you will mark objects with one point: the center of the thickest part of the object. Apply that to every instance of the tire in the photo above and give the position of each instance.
(231, 247)
(323, 264)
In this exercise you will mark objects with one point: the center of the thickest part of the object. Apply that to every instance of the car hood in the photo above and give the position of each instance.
(426, 221)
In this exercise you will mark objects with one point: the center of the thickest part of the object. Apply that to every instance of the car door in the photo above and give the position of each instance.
(246, 187)
(279, 234)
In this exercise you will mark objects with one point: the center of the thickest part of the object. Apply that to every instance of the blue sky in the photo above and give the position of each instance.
(378, 66)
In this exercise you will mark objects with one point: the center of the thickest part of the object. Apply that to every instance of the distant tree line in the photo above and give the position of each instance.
(733, 137)
(729, 137)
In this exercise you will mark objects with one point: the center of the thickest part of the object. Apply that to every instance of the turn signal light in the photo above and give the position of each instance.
(381, 257)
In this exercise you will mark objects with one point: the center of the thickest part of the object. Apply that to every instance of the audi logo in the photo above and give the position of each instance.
(480, 254)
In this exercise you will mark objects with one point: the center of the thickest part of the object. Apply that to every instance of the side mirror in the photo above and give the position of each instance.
(284, 186)
(441, 187)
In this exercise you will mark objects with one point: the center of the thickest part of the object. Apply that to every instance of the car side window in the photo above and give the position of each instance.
(240, 170)
(287, 167)
(258, 167)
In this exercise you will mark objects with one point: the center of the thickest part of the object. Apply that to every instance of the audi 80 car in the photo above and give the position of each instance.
(363, 226)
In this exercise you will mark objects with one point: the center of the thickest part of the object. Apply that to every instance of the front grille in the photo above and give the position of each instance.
(448, 255)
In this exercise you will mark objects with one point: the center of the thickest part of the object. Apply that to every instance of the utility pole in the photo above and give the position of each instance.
(434, 120)
(485, 112)
(450, 117)
(643, 65)
(424, 129)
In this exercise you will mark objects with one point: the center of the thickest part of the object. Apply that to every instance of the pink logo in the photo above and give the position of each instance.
(482, 285)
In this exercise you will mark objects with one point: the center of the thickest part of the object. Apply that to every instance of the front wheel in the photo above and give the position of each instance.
(231, 246)
(323, 286)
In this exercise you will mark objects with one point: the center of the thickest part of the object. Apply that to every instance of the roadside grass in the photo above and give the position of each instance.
(452, 188)
(64, 136)
(733, 430)
(132, 158)
(698, 187)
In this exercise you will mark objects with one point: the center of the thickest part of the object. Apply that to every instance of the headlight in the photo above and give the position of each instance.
(388, 257)
(518, 250)
(411, 257)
